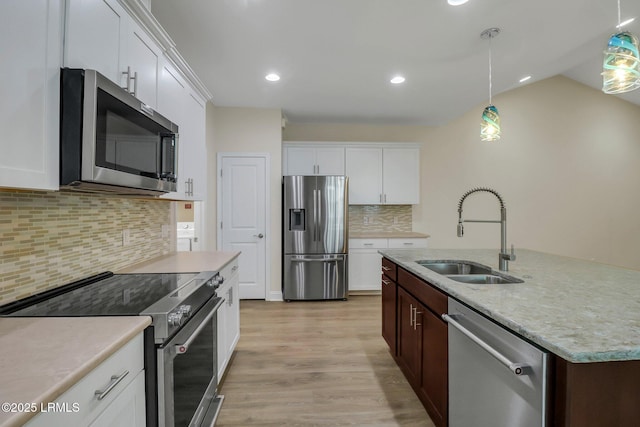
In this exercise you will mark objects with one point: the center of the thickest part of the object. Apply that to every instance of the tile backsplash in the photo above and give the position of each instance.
(50, 239)
(375, 218)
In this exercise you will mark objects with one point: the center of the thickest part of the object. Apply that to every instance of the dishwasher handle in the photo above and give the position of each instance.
(516, 368)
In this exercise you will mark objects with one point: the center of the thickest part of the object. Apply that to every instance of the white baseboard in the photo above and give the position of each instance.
(275, 296)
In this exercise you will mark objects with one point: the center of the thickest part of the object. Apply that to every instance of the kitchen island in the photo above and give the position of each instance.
(587, 315)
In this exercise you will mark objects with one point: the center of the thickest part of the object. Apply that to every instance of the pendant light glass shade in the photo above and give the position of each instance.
(490, 124)
(621, 67)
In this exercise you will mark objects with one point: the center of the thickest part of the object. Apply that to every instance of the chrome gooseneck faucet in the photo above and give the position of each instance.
(503, 256)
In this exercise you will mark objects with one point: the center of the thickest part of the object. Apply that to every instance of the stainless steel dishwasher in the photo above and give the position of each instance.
(496, 379)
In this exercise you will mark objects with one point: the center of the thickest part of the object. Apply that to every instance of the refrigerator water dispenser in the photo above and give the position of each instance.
(297, 219)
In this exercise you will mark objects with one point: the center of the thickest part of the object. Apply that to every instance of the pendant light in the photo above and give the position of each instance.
(621, 67)
(490, 124)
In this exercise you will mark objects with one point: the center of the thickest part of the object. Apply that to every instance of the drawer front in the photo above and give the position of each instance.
(407, 243)
(368, 243)
(230, 269)
(424, 292)
(81, 402)
(389, 269)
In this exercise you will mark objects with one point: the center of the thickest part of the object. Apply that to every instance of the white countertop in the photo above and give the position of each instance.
(580, 310)
(183, 262)
(386, 235)
(42, 357)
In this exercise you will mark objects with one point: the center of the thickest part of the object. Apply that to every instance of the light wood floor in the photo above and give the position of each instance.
(316, 363)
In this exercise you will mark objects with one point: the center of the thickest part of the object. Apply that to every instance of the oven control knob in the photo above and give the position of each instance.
(175, 319)
(185, 310)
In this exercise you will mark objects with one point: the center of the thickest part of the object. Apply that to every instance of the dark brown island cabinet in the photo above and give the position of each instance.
(417, 336)
(603, 394)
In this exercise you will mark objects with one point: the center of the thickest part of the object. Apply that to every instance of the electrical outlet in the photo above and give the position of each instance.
(126, 237)
(165, 231)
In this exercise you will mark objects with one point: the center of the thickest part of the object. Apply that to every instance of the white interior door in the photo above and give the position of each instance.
(242, 207)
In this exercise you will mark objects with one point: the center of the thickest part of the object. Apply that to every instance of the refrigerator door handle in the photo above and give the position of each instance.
(319, 220)
(316, 259)
(315, 215)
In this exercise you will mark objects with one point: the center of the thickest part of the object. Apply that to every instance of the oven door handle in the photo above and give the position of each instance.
(183, 348)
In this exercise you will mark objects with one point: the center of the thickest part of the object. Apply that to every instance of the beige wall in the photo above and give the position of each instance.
(248, 130)
(567, 167)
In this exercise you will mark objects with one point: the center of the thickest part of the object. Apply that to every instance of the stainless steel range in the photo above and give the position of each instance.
(180, 344)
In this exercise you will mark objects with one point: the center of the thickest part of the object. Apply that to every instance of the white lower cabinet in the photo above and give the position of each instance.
(365, 261)
(228, 316)
(112, 394)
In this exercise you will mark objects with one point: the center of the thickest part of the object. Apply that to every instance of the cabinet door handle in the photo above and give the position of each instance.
(115, 380)
(386, 282)
(385, 268)
(368, 244)
(230, 302)
(135, 83)
(128, 74)
(410, 314)
(408, 243)
(385, 198)
(415, 318)
(380, 197)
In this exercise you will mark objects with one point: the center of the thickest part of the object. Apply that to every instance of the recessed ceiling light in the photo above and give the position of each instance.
(524, 79)
(623, 23)
(397, 80)
(272, 77)
(456, 2)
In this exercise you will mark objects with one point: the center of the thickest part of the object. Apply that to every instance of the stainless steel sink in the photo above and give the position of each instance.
(453, 267)
(468, 272)
(483, 279)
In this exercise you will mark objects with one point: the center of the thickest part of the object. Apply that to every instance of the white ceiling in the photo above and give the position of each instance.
(336, 57)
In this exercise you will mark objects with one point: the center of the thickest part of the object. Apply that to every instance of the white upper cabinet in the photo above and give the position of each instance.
(182, 105)
(383, 175)
(95, 37)
(313, 160)
(30, 87)
(142, 62)
(102, 36)
(193, 149)
(401, 176)
(364, 169)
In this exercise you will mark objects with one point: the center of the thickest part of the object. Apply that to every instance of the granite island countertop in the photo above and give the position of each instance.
(42, 357)
(582, 311)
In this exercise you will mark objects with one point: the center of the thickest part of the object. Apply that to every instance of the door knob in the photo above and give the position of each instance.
(259, 236)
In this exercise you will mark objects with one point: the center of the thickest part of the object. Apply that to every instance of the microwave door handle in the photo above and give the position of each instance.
(183, 348)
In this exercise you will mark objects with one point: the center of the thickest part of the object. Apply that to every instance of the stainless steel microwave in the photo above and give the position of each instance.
(112, 142)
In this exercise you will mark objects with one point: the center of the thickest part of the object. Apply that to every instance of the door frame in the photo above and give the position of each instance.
(269, 295)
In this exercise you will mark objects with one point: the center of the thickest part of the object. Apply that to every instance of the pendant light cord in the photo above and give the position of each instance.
(490, 85)
(619, 19)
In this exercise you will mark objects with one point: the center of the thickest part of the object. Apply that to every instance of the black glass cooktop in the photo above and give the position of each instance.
(117, 295)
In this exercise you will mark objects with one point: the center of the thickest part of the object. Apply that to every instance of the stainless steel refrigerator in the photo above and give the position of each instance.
(315, 237)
